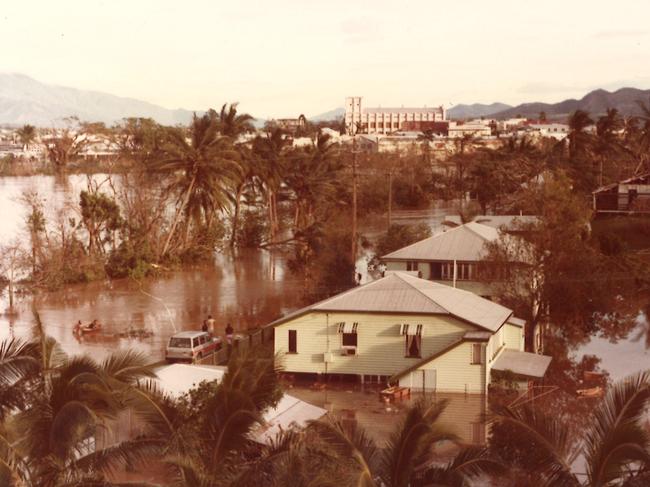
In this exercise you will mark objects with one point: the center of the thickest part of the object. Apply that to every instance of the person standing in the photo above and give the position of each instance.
(229, 332)
(210, 324)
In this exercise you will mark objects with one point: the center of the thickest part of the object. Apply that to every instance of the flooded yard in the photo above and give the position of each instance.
(463, 415)
(248, 289)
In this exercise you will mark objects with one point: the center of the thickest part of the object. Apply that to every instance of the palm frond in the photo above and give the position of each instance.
(410, 444)
(348, 441)
(468, 464)
(127, 366)
(616, 438)
(555, 450)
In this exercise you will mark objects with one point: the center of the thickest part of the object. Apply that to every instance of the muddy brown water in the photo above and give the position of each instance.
(248, 290)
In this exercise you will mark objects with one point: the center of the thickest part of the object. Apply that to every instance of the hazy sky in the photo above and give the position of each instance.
(283, 58)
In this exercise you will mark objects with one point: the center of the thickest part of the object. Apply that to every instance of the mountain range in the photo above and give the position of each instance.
(475, 110)
(625, 100)
(26, 100)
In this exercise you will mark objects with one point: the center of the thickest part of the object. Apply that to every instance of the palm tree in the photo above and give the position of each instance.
(200, 169)
(233, 125)
(615, 444)
(405, 459)
(270, 152)
(578, 139)
(48, 436)
(27, 135)
(607, 141)
(205, 435)
(313, 178)
(643, 140)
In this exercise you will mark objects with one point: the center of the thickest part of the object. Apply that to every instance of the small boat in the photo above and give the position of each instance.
(86, 329)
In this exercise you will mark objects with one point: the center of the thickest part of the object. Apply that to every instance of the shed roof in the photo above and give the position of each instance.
(522, 363)
(289, 413)
(638, 179)
(177, 379)
(402, 293)
(465, 243)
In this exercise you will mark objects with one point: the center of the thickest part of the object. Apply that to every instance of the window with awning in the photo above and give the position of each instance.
(411, 330)
(348, 332)
(344, 327)
(413, 339)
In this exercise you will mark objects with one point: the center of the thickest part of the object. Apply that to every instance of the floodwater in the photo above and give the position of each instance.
(247, 290)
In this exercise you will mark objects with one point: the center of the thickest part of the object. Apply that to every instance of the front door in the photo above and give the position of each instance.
(436, 271)
(428, 379)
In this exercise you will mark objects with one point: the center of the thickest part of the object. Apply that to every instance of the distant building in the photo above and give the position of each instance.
(558, 131)
(511, 124)
(290, 125)
(628, 196)
(439, 128)
(385, 120)
(454, 257)
(475, 129)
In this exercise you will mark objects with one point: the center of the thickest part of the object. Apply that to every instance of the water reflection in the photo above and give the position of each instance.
(247, 291)
(464, 415)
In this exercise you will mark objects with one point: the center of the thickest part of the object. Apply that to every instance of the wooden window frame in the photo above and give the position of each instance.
(352, 337)
(476, 346)
(292, 339)
(407, 340)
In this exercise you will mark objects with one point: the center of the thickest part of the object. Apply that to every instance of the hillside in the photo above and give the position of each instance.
(335, 114)
(25, 100)
(595, 103)
(475, 110)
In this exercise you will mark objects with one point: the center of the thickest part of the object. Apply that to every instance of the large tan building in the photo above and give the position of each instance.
(385, 120)
(410, 331)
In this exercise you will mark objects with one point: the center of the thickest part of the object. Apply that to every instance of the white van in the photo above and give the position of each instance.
(191, 345)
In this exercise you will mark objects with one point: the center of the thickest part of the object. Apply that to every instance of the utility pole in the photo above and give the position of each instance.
(354, 205)
(390, 196)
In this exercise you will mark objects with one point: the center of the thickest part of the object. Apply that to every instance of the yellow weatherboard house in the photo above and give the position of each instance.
(406, 330)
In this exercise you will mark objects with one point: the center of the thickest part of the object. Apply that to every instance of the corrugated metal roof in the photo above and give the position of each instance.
(477, 335)
(289, 413)
(522, 363)
(178, 379)
(509, 222)
(465, 243)
(401, 110)
(517, 321)
(402, 293)
(393, 293)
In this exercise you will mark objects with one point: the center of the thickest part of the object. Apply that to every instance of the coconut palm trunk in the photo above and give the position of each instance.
(235, 217)
(177, 216)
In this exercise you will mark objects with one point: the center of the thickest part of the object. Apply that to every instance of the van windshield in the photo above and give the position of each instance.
(180, 343)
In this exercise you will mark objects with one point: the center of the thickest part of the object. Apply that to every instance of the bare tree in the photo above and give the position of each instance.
(12, 263)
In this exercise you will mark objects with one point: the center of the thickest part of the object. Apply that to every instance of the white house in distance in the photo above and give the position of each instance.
(406, 330)
(454, 257)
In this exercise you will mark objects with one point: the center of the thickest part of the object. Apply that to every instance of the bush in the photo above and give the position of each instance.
(252, 229)
(398, 236)
(130, 261)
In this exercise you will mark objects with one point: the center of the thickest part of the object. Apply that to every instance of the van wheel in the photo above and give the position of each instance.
(199, 356)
